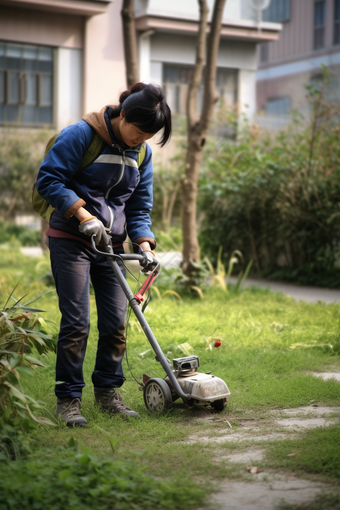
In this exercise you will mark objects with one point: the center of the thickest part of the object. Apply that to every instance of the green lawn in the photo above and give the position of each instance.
(270, 344)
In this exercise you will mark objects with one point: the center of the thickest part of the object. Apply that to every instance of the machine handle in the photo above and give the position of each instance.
(142, 259)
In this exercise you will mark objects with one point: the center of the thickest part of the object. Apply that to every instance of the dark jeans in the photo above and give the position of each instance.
(73, 264)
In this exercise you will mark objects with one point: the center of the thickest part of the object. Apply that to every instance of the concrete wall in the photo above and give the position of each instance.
(104, 66)
(35, 27)
(297, 35)
(233, 10)
(69, 86)
(170, 48)
(292, 61)
(90, 55)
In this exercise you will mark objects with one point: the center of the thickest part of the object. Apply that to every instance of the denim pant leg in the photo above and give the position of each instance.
(71, 270)
(111, 309)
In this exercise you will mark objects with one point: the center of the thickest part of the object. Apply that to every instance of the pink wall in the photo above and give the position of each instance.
(297, 34)
(37, 27)
(296, 38)
(104, 67)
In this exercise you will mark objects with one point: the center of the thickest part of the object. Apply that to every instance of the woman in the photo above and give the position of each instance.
(110, 194)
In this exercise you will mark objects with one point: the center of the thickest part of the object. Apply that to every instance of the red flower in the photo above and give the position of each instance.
(217, 343)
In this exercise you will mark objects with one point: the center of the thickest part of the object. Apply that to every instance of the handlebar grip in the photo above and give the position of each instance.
(144, 261)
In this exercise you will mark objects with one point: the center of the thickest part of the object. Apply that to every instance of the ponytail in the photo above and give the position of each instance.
(145, 106)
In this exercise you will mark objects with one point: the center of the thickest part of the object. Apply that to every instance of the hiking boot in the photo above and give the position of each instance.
(69, 411)
(108, 399)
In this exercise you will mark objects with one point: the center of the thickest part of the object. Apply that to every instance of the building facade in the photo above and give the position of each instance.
(62, 58)
(310, 39)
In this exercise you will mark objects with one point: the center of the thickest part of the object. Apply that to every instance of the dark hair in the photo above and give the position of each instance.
(145, 105)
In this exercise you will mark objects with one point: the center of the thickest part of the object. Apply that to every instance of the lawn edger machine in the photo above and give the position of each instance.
(183, 380)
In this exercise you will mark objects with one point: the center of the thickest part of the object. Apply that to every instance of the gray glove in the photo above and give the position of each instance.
(150, 262)
(95, 227)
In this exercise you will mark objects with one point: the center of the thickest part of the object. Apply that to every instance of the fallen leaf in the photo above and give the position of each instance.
(254, 470)
(292, 454)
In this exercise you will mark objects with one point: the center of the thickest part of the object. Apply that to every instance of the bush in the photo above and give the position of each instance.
(20, 158)
(276, 199)
(21, 330)
(77, 478)
(10, 232)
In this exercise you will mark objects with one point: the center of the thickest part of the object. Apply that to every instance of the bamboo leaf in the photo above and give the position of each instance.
(33, 361)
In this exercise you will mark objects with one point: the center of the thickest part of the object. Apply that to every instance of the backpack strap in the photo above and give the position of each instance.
(50, 143)
(92, 152)
(141, 154)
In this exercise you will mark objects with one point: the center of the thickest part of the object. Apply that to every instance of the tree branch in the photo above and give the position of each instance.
(209, 97)
(192, 116)
(130, 42)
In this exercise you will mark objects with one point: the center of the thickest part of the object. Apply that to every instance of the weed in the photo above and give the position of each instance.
(21, 331)
(77, 478)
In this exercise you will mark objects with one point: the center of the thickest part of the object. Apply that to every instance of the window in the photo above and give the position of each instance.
(26, 84)
(278, 106)
(319, 24)
(336, 35)
(277, 12)
(176, 81)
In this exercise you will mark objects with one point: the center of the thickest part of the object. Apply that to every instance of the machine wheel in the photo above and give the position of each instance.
(157, 395)
(218, 405)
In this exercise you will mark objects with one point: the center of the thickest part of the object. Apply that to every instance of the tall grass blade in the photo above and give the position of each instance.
(198, 290)
(243, 276)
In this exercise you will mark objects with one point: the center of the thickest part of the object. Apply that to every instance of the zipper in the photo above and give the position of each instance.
(116, 184)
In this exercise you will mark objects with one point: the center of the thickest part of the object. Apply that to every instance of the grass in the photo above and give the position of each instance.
(270, 346)
(316, 452)
(322, 502)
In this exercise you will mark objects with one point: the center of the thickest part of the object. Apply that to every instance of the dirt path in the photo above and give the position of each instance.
(255, 487)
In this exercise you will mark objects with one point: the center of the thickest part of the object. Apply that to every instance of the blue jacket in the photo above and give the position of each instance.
(112, 188)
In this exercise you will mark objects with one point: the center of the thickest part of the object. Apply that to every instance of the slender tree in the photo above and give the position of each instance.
(130, 42)
(198, 125)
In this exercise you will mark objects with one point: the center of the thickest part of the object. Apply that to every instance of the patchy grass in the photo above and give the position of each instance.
(322, 502)
(317, 451)
(269, 346)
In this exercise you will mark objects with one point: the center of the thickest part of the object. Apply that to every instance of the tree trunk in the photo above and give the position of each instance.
(130, 42)
(198, 127)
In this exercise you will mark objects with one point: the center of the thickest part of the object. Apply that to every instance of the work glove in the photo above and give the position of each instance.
(93, 226)
(150, 262)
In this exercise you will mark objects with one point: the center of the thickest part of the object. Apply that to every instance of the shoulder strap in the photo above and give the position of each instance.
(92, 152)
(141, 154)
(50, 143)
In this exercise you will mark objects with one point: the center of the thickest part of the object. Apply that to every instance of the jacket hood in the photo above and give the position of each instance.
(97, 121)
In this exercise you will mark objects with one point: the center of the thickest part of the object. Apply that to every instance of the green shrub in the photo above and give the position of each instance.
(20, 158)
(77, 478)
(10, 232)
(276, 199)
(21, 331)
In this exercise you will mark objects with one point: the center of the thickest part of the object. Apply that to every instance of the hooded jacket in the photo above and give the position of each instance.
(112, 188)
